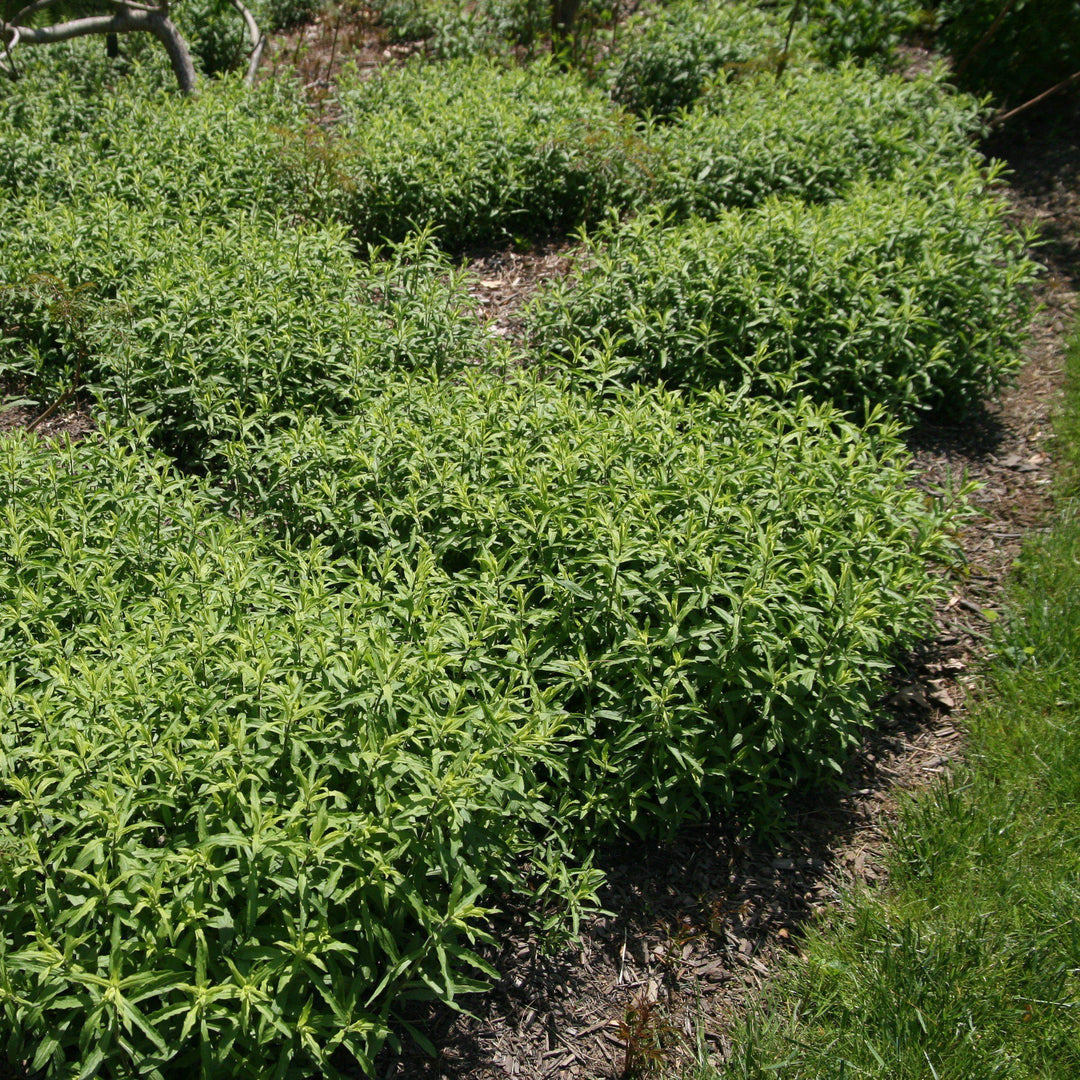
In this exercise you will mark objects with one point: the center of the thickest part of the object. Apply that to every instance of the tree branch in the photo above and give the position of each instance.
(127, 20)
(1074, 78)
(11, 71)
(258, 42)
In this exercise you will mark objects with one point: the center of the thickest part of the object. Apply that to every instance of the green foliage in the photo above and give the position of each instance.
(215, 34)
(276, 15)
(706, 590)
(464, 28)
(200, 307)
(810, 135)
(480, 152)
(431, 624)
(1036, 45)
(864, 30)
(209, 343)
(208, 329)
(245, 811)
(74, 130)
(671, 53)
(256, 797)
(905, 293)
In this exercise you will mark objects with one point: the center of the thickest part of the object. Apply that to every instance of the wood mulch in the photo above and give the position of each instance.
(696, 926)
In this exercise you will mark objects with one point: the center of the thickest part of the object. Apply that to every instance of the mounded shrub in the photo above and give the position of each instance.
(215, 34)
(257, 795)
(672, 52)
(72, 135)
(457, 29)
(867, 31)
(910, 294)
(246, 814)
(286, 14)
(209, 329)
(706, 590)
(811, 136)
(481, 153)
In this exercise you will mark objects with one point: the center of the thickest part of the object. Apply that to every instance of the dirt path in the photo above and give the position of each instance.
(697, 924)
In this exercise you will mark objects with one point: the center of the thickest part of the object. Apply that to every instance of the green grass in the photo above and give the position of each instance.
(968, 965)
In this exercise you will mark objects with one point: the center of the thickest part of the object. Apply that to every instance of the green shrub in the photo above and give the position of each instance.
(246, 814)
(810, 136)
(285, 14)
(69, 140)
(406, 20)
(909, 293)
(254, 802)
(215, 34)
(207, 329)
(482, 153)
(672, 52)
(864, 30)
(464, 28)
(1036, 45)
(706, 590)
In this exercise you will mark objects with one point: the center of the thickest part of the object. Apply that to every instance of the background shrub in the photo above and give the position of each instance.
(214, 33)
(71, 135)
(482, 153)
(156, 264)
(810, 136)
(1035, 46)
(671, 53)
(463, 28)
(867, 31)
(905, 293)
(285, 14)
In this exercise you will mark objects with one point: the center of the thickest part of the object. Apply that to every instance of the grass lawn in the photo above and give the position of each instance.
(968, 964)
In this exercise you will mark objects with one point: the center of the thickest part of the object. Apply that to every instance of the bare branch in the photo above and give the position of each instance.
(962, 66)
(10, 70)
(126, 20)
(1064, 84)
(255, 35)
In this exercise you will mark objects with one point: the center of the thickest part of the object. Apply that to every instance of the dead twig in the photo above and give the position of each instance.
(1075, 77)
(993, 29)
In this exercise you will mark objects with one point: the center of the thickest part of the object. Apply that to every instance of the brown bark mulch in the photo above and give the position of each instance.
(697, 925)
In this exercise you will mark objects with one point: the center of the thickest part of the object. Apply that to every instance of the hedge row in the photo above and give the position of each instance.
(75, 129)
(258, 793)
(811, 136)
(910, 294)
(485, 153)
